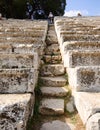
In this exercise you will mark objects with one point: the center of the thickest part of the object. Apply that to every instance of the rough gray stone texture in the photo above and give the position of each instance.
(54, 91)
(71, 33)
(17, 80)
(52, 107)
(5, 48)
(28, 33)
(55, 59)
(53, 49)
(56, 125)
(85, 78)
(81, 45)
(52, 70)
(81, 58)
(70, 105)
(77, 36)
(54, 81)
(15, 110)
(93, 122)
(16, 61)
(87, 104)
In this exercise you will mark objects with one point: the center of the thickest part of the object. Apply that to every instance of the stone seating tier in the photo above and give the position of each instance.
(81, 58)
(15, 110)
(79, 40)
(17, 61)
(84, 78)
(17, 80)
(20, 43)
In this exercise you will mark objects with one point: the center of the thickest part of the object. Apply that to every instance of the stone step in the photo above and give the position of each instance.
(80, 45)
(57, 124)
(17, 80)
(80, 31)
(16, 34)
(52, 70)
(23, 25)
(17, 61)
(84, 78)
(51, 40)
(15, 110)
(54, 81)
(81, 58)
(51, 107)
(78, 37)
(54, 59)
(22, 49)
(53, 49)
(18, 40)
(54, 91)
(12, 28)
(87, 104)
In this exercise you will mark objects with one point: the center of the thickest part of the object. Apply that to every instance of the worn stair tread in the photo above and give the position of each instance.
(52, 107)
(57, 124)
(54, 91)
(54, 59)
(58, 81)
(52, 49)
(52, 70)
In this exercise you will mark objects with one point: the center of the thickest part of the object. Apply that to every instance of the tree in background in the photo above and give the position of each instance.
(17, 8)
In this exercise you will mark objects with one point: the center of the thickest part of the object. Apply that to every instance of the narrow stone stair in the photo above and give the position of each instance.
(52, 90)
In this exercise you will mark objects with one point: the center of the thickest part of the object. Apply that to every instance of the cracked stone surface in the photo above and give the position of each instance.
(52, 107)
(54, 91)
(56, 125)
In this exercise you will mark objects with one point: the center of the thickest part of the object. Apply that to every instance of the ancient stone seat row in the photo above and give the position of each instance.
(79, 40)
(19, 64)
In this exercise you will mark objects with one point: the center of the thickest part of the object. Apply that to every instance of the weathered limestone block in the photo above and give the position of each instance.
(70, 105)
(17, 80)
(79, 30)
(93, 122)
(57, 124)
(54, 81)
(52, 70)
(55, 59)
(15, 110)
(54, 91)
(87, 104)
(53, 49)
(23, 48)
(81, 58)
(81, 45)
(76, 37)
(84, 78)
(27, 33)
(52, 107)
(33, 48)
(4, 48)
(17, 61)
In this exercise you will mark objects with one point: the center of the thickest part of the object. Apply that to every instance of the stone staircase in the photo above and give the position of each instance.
(79, 41)
(19, 62)
(52, 78)
(55, 102)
